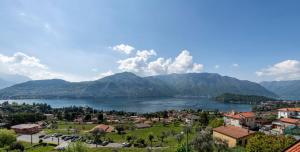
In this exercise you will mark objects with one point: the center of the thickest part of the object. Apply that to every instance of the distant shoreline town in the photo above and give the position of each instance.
(37, 126)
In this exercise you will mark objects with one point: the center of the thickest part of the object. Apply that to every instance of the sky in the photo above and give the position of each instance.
(86, 40)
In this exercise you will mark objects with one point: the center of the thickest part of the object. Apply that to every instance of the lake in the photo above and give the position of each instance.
(140, 105)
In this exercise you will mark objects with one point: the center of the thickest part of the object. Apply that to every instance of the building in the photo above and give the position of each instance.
(233, 135)
(293, 148)
(283, 123)
(240, 119)
(49, 117)
(142, 125)
(288, 113)
(106, 128)
(26, 128)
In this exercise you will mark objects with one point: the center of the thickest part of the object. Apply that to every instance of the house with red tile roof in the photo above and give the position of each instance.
(106, 128)
(289, 113)
(240, 119)
(26, 128)
(233, 135)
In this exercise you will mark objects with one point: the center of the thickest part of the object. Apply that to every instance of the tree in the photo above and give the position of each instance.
(187, 130)
(179, 138)
(7, 137)
(220, 145)
(17, 146)
(150, 138)
(203, 141)
(204, 119)
(100, 118)
(97, 134)
(77, 147)
(140, 143)
(162, 136)
(87, 117)
(268, 143)
(120, 129)
(182, 148)
(216, 123)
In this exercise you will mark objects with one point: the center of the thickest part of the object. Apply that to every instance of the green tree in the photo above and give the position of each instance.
(162, 136)
(204, 119)
(17, 146)
(77, 147)
(179, 138)
(98, 134)
(268, 143)
(182, 148)
(7, 137)
(120, 129)
(203, 141)
(220, 145)
(217, 122)
(150, 138)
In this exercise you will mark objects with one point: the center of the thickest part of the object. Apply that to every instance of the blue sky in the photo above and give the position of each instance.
(75, 40)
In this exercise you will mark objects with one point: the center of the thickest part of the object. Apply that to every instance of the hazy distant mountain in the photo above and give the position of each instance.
(130, 85)
(7, 80)
(210, 84)
(285, 89)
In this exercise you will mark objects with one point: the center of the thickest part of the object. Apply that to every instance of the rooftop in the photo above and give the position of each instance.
(25, 126)
(233, 131)
(290, 120)
(103, 127)
(240, 115)
(289, 109)
(294, 148)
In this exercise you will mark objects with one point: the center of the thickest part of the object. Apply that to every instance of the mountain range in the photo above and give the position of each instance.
(7, 80)
(129, 85)
(284, 89)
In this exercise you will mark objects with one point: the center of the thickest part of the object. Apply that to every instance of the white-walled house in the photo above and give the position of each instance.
(289, 113)
(240, 119)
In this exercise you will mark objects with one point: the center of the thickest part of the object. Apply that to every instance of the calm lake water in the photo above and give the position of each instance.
(140, 105)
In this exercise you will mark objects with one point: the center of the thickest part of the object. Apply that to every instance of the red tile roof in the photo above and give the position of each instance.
(289, 109)
(294, 148)
(233, 131)
(240, 115)
(290, 120)
(106, 128)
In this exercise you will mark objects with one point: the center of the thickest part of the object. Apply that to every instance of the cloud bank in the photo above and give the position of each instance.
(285, 70)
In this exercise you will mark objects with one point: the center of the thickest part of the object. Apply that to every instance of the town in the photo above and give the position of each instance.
(38, 127)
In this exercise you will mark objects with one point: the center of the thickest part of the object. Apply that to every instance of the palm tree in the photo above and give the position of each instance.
(151, 137)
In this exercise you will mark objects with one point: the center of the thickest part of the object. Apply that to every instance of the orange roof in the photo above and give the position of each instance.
(289, 120)
(289, 109)
(233, 131)
(294, 148)
(106, 128)
(240, 115)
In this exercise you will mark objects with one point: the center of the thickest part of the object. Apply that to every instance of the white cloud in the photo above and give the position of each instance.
(285, 70)
(235, 65)
(137, 63)
(123, 48)
(140, 64)
(30, 66)
(217, 66)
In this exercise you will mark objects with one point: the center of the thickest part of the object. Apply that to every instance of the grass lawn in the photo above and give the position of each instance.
(65, 127)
